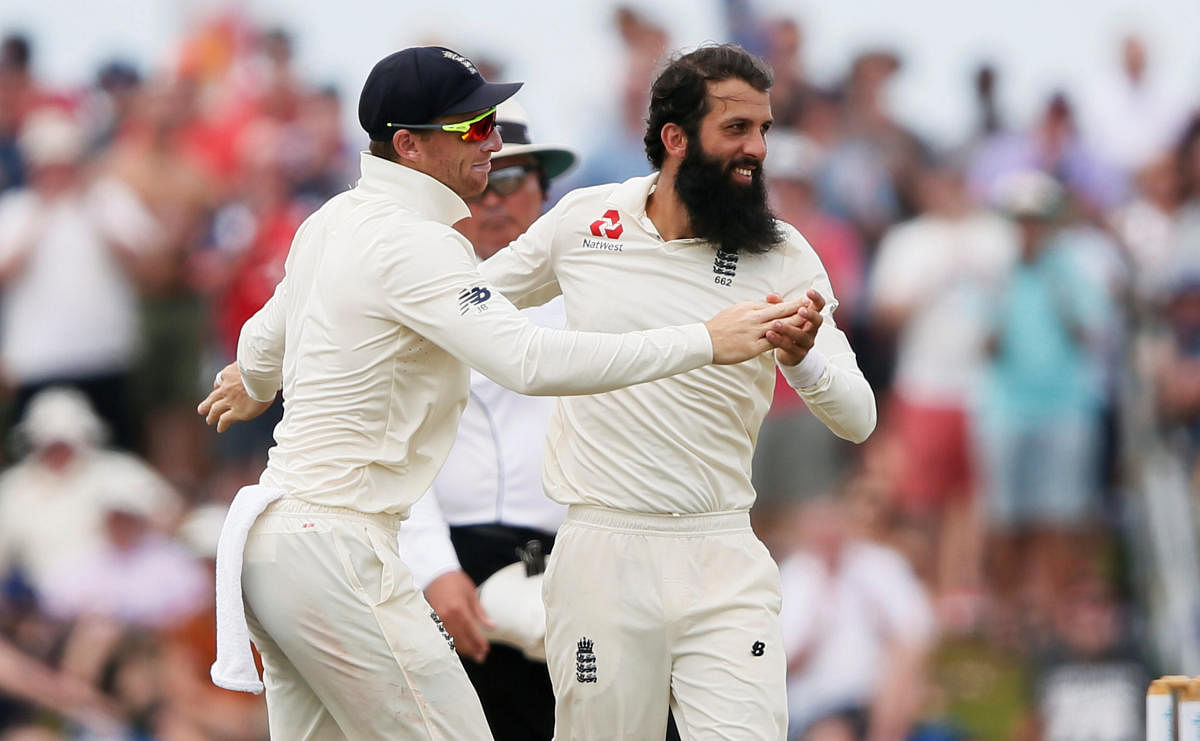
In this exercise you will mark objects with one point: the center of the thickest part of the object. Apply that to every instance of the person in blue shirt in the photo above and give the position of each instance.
(1039, 405)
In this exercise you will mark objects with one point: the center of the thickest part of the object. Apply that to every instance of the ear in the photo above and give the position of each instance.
(407, 146)
(674, 139)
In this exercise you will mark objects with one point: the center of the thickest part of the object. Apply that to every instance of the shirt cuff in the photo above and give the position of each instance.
(427, 555)
(807, 372)
(260, 389)
(699, 340)
(423, 577)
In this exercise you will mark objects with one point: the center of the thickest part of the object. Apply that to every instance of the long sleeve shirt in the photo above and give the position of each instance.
(493, 474)
(684, 444)
(370, 333)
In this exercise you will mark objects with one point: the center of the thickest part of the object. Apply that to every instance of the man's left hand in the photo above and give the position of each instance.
(794, 336)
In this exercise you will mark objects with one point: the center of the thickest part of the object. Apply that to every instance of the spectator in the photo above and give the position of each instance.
(1148, 225)
(198, 709)
(1089, 662)
(792, 89)
(253, 234)
(71, 253)
(930, 287)
(857, 626)
(1186, 242)
(1174, 361)
(1133, 119)
(51, 504)
(321, 165)
(149, 156)
(111, 103)
(1052, 145)
(134, 575)
(19, 94)
(1039, 412)
(868, 179)
(618, 153)
(990, 121)
(46, 688)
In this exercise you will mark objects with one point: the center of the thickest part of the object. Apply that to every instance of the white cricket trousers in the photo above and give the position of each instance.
(350, 647)
(645, 610)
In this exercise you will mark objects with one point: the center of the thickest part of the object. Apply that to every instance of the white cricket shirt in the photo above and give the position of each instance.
(679, 445)
(493, 474)
(369, 332)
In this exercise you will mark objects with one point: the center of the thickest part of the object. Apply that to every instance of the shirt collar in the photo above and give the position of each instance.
(416, 190)
(631, 197)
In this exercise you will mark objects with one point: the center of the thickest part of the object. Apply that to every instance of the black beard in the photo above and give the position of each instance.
(735, 218)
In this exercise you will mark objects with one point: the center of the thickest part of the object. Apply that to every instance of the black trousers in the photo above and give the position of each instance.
(516, 694)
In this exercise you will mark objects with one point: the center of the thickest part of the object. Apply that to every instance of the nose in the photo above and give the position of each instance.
(756, 146)
(493, 142)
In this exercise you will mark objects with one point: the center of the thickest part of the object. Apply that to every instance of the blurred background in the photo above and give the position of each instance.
(1006, 198)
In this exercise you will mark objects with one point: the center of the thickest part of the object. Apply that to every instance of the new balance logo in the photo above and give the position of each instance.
(474, 296)
(585, 661)
(608, 225)
(442, 629)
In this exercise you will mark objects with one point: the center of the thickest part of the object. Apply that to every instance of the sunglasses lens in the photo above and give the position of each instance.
(506, 186)
(506, 181)
(481, 129)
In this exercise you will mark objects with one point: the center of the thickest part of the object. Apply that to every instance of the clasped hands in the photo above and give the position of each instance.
(790, 328)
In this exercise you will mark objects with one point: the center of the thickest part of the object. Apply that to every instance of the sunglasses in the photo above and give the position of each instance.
(474, 130)
(506, 181)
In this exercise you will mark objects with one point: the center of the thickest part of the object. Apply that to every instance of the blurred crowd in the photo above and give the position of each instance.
(1026, 304)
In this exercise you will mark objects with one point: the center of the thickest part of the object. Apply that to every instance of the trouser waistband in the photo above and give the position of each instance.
(291, 505)
(708, 522)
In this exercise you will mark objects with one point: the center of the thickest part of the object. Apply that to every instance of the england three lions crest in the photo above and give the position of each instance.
(585, 661)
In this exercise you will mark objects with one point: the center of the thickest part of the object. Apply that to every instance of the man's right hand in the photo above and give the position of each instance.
(454, 598)
(229, 402)
(740, 332)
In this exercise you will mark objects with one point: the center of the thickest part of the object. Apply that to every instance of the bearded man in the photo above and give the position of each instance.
(658, 590)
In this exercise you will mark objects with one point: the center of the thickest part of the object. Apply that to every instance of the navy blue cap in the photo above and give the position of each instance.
(416, 85)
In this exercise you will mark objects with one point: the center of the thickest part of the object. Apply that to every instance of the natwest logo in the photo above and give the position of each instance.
(608, 225)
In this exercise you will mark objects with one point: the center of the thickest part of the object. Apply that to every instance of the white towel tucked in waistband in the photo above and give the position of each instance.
(234, 668)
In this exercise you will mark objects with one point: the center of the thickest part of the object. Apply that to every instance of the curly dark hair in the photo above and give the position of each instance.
(680, 94)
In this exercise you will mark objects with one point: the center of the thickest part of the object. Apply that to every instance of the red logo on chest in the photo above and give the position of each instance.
(608, 225)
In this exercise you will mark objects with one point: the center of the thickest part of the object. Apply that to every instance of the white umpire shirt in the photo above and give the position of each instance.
(683, 444)
(493, 474)
(369, 332)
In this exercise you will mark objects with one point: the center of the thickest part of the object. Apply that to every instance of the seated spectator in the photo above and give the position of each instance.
(1089, 663)
(197, 708)
(857, 628)
(134, 574)
(27, 679)
(51, 503)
